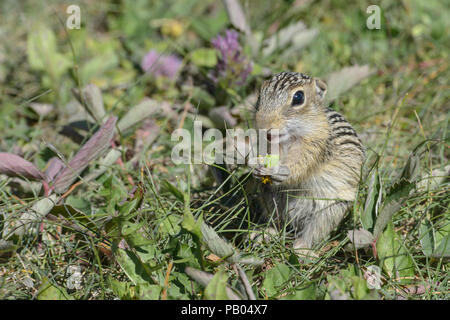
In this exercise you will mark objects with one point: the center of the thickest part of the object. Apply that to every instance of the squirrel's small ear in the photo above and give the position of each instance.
(321, 88)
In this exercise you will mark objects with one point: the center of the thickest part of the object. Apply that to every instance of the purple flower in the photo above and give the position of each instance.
(161, 65)
(233, 67)
(228, 45)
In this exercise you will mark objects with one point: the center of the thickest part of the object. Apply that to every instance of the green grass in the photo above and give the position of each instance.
(135, 230)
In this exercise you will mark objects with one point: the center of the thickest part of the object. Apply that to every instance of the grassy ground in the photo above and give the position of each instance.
(135, 231)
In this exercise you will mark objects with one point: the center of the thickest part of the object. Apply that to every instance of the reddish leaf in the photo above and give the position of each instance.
(95, 147)
(16, 166)
(54, 167)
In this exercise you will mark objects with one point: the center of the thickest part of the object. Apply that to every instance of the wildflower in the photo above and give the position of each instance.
(266, 180)
(161, 65)
(172, 28)
(233, 67)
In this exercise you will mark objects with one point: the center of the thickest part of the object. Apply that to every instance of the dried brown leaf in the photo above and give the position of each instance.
(360, 238)
(42, 109)
(141, 111)
(236, 15)
(344, 79)
(91, 99)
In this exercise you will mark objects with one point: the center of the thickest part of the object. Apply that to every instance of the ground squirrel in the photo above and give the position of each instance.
(320, 157)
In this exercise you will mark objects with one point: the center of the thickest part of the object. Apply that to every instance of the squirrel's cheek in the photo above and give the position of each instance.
(301, 129)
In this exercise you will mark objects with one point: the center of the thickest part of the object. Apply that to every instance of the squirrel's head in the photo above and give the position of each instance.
(292, 103)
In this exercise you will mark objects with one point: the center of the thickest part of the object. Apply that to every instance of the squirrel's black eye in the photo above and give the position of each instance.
(298, 98)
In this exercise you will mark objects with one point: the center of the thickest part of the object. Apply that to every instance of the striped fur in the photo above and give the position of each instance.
(322, 151)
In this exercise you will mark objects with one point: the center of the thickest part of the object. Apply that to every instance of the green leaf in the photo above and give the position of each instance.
(114, 191)
(216, 288)
(443, 248)
(427, 239)
(138, 240)
(59, 65)
(275, 278)
(204, 57)
(131, 264)
(442, 227)
(208, 27)
(167, 186)
(126, 291)
(397, 194)
(41, 45)
(337, 288)
(396, 261)
(105, 59)
(205, 120)
(308, 293)
(148, 291)
(170, 225)
(185, 255)
(201, 97)
(373, 199)
(348, 284)
(129, 228)
(360, 289)
(79, 203)
(126, 211)
(74, 215)
(411, 171)
(123, 290)
(146, 252)
(42, 52)
(443, 238)
(49, 291)
(190, 224)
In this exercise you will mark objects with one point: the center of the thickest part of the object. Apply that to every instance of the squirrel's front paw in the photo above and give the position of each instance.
(274, 175)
